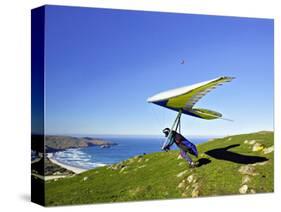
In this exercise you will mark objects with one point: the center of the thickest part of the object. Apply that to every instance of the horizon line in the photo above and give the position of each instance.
(145, 135)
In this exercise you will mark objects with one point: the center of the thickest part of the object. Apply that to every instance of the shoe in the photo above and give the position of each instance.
(192, 165)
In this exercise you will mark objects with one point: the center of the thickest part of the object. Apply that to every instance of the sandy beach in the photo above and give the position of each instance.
(71, 168)
(49, 177)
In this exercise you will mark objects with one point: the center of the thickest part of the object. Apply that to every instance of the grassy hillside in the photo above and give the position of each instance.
(226, 166)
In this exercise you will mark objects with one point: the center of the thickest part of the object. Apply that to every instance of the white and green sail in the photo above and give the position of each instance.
(183, 99)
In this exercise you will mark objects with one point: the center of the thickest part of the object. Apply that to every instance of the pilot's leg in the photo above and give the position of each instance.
(185, 156)
(191, 147)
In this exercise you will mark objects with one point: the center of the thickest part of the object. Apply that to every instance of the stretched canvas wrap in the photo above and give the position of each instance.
(137, 105)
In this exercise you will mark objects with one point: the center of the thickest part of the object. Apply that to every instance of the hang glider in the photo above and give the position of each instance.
(183, 100)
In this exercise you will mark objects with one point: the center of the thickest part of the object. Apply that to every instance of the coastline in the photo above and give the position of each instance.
(71, 168)
(145, 143)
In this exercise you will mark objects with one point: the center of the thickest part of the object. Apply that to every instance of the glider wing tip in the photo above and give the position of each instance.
(227, 77)
(149, 100)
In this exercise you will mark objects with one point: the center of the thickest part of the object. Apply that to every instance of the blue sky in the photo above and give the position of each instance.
(102, 65)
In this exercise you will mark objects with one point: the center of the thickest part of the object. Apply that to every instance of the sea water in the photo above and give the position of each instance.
(95, 156)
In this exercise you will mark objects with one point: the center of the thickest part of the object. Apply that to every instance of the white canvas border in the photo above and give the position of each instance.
(15, 102)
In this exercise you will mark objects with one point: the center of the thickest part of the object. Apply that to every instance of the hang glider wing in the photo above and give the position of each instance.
(185, 98)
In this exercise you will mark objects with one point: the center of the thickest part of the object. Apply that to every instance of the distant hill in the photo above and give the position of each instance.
(55, 143)
(240, 164)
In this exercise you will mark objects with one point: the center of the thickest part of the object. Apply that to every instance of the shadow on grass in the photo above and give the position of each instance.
(225, 154)
(202, 161)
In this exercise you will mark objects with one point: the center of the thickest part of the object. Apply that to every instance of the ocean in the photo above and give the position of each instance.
(95, 156)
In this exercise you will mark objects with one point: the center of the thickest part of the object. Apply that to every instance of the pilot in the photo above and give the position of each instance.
(183, 144)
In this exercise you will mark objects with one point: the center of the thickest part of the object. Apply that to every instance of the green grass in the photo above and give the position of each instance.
(154, 176)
